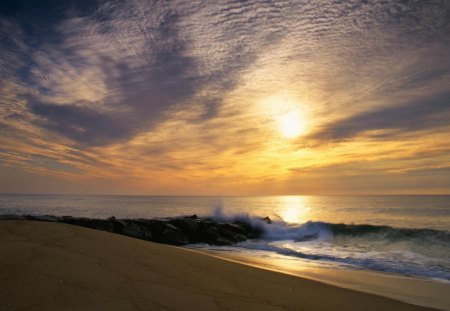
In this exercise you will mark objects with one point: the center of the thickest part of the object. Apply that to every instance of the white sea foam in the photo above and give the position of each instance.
(379, 248)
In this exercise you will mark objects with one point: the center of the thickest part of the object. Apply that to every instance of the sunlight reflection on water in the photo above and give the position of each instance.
(294, 209)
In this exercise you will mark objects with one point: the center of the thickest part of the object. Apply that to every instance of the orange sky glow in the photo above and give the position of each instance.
(259, 98)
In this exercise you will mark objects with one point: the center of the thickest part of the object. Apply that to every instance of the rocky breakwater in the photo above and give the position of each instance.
(174, 231)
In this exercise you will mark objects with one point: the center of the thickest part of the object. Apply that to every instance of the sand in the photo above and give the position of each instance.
(413, 290)
(52, 266)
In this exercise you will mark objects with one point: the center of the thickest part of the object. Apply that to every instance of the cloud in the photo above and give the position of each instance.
(424, 114)
(81, 124)
(140, 87)
(146, 61)
(144, 94)
(119, 60)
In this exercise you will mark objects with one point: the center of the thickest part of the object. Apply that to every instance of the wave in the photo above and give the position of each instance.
(318, 230)
(387, 232)
(400, 262)
(419, 252)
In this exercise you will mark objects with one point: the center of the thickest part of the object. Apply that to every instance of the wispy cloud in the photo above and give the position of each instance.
(389, 121)
(139, 88)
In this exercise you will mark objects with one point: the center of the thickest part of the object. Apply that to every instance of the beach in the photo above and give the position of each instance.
(53, 266)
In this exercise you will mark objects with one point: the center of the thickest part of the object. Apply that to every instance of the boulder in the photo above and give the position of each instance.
(213, 236)
(174, 237)
(136, 230)
(235, 228)
(231, 235)
(188, 226)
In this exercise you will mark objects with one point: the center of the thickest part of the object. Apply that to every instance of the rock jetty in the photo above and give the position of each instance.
(175, 231)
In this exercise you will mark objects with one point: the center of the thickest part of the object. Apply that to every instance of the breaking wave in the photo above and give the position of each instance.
(417, 252)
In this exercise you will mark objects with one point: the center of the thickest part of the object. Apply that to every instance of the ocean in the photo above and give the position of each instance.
(403, 235)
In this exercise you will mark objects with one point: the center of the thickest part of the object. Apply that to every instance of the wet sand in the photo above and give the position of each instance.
(413, 290)
(53, 266)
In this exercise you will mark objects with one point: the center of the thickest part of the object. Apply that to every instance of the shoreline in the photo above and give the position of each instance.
(412, 290)
(51, 266)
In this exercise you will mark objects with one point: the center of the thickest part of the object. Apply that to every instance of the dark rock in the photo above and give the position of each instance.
(175, 237)
(168, 225)
(175, 231)
(80, 221)
(255, 234)
(136, 230)
(232, 236)
(267, 220)
(99, 224)
(246, 227)
(12, 217)
(104, 225)
(235, 228)
(157, 227)
(49, 218)
(189, 226)
(118, 225)
(213, 236)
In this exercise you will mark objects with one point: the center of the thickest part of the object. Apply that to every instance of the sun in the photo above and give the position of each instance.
(291, 124)
(287, 114)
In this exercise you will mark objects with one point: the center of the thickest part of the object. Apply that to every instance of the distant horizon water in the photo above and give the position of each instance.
(393, 210)
(227, 195)
(402, 234)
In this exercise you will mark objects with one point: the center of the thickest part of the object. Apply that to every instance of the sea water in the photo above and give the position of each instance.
(407, 235)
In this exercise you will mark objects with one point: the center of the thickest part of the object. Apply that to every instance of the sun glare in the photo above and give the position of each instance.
(294, 209)
(287, 113)
(292, 124)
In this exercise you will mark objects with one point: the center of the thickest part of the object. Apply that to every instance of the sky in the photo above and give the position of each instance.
(225, 97)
